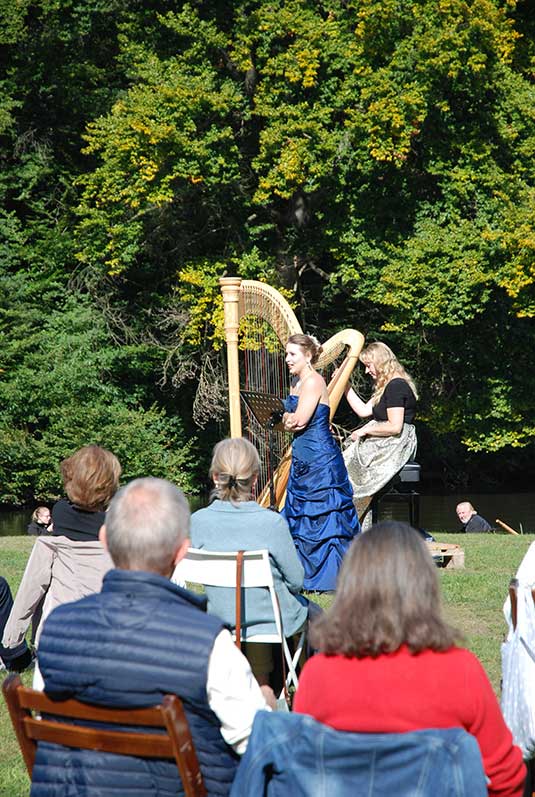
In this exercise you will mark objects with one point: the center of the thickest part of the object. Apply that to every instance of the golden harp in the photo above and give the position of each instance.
(258, 322)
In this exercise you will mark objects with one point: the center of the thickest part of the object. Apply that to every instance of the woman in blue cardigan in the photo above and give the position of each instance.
(234, 521)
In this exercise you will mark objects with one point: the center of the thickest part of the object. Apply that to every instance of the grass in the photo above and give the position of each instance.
(473, 597)
(14, 781)
(473, 600)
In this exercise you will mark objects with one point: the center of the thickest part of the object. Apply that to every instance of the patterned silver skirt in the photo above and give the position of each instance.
(372, 461)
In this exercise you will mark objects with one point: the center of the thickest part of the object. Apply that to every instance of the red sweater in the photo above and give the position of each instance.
(398, 692)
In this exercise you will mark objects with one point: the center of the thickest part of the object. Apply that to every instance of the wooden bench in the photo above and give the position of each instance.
(447, 554)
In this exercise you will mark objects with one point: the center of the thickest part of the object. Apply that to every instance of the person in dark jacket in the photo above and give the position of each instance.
(41, 522)
(19, 658)
(140, 638)
(472, 522)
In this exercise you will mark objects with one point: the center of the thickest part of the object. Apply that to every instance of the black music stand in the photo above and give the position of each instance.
(267, 409)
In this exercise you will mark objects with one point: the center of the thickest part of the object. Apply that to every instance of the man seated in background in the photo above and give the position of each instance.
(472, 522)
(139, 639)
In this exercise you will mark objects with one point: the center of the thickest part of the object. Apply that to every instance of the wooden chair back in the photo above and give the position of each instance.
(27, 708)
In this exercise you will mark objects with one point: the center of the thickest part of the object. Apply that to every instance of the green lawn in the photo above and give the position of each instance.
(473, 600)
(14, 781)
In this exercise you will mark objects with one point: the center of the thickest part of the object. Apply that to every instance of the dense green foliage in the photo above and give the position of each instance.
(374, 158)
(66, 391)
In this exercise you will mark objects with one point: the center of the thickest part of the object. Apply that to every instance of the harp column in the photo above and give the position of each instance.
(230, 288)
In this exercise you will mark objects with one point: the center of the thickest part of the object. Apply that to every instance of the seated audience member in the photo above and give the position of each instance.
(140, 638)
(41, 522)
(234, 522)
(386, 654)
(19, 658)
(90, 479)
(525, 577)
(517, 697)
(70, 562)
(472, 522)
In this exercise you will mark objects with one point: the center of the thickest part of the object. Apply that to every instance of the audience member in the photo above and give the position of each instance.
(90, 479)
(135, 641)
(233, 522)
(518, 648)
(71, 562)
(472, 522)
(41, 522)
(388, 662)
(19, 658)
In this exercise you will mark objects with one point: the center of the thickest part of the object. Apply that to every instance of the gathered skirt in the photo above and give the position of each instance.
(373, 461)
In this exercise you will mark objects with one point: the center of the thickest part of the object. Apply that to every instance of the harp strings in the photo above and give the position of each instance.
(266, 323)
(262, 369)
(262, 301)
(344, 420)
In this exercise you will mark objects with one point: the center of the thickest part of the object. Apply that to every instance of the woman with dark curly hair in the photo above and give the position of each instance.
(388, 662)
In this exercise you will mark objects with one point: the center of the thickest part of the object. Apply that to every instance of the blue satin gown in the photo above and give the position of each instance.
(319, 500)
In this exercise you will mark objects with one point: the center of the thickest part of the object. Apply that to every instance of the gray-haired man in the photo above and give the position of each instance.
(138, 639)
(472, 522)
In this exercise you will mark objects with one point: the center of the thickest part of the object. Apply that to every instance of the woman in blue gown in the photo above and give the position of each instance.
(319, 500)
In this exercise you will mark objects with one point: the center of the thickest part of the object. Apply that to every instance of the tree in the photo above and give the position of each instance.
(372, 159)
(66, 384)
(382, 157)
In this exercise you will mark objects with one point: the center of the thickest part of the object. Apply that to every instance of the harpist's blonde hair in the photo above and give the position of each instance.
(387, 366)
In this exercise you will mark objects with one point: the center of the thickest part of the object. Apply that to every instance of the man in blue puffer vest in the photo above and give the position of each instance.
(139, 639)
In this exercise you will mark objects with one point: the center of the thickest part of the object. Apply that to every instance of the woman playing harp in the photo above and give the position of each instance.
(319, 500)
(387, 442)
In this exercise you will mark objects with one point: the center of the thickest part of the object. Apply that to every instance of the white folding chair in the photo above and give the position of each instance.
(219, 569)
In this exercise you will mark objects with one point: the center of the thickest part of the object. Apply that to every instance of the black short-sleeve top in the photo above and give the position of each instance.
(75, 523)
(397, 393)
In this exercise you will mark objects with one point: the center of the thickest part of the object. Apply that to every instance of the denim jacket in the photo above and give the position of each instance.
(292, 754)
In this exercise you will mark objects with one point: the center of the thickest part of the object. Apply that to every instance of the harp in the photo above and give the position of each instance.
(258, 322)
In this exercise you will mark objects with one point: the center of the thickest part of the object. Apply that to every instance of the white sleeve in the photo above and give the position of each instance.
(526, 571)
(526, 578)
(233, 692)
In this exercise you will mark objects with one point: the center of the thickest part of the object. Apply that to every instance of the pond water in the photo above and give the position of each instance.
(437, 512)
(14, 522)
